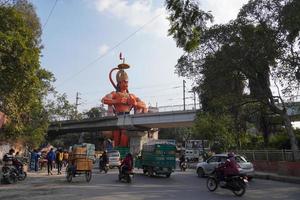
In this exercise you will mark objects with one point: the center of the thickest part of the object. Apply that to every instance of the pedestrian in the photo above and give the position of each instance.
(50, 160)
(66, 158)
(36, 157)
(59, 159)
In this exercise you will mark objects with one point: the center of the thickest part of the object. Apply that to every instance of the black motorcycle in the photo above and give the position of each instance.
(237, 184)
(103, 166)
(21, 174)
(183, 166)
(9, 174)
(125, 175)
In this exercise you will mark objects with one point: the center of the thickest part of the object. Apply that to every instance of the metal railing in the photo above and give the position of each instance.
(269, 155)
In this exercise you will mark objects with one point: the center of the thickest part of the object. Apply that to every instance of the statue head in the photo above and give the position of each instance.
(122, 80)
(121, 76)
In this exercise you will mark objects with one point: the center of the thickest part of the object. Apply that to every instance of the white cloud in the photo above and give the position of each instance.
(222, 10)
(103, 49)
(137, 14)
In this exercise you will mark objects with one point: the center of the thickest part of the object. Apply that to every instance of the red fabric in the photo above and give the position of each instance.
(127, 162)
(231, 167)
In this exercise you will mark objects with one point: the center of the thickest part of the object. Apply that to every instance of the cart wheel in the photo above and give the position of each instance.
(69, 176)
(88, 176)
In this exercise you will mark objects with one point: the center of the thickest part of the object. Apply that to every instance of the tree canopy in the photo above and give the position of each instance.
(24, 83)
(261, 45)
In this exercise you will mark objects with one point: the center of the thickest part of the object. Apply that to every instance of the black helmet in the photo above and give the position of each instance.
(129, 154)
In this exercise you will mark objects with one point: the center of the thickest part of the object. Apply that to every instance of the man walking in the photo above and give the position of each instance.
(50, 159)
(59, 159)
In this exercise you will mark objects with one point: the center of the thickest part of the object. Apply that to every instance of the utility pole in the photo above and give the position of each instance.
(194, 100)
(184, 94)
(77, 101)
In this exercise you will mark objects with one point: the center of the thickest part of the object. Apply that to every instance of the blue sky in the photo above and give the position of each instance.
(83, 38)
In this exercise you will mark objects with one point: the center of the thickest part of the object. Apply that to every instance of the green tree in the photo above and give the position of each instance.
(217, 129)
(254, 45)
(24, 83)
(96, 112)
(179, 134)
(59, 108)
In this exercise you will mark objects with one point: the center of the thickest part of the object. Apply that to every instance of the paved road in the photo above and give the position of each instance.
(181, 185)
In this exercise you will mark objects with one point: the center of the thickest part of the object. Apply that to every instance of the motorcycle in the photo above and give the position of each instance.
(19, 169)
(237, 184)
(183, 166)
(125, 175)
(103, 166)
(9, 174)
(21, 174)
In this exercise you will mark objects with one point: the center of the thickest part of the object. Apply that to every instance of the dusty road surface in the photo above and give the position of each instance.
(181, 185)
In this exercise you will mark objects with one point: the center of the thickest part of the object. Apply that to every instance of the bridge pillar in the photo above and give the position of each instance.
(138, 138)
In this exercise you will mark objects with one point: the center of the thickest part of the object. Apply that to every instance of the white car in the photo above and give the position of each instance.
(208, 166)
(114, 159)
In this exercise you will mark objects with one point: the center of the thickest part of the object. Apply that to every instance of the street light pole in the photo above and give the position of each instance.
(184, 94)
(194, 100)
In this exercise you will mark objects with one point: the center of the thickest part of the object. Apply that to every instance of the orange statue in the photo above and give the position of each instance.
(121, 100)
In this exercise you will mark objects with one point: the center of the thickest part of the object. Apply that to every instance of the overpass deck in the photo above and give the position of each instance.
(137, 122)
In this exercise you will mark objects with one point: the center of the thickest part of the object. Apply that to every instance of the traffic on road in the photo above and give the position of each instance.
(181, 185)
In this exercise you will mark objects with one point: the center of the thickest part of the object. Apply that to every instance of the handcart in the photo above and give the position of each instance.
(79, 164)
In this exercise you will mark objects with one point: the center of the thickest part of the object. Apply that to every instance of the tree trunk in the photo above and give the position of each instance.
(292, 137)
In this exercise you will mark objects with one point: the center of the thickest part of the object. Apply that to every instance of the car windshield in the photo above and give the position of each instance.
(113, 154)
(240, 159)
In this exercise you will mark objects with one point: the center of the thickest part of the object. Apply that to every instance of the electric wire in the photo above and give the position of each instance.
(111, 49)
(51, 11)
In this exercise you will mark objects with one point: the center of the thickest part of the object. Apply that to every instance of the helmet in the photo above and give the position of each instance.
(129, 154)
(230, 155)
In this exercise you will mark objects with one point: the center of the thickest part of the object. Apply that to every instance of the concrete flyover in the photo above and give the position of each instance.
(137, 122)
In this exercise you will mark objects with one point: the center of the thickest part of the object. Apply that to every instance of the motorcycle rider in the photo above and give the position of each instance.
(229, 168)
(9, 157)
(103, 160)
(181, 160)
(10, 160)
(127, 163)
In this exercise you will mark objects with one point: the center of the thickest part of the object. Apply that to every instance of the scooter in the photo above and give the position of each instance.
(125, 175)
(237, 184)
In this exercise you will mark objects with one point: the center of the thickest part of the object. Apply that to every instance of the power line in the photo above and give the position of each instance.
(52, 9)
(114, 47)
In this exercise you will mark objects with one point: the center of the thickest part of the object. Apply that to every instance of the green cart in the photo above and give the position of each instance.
(157, 159)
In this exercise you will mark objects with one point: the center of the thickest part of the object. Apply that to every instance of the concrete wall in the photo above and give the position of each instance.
(4, 148)
(280, 167)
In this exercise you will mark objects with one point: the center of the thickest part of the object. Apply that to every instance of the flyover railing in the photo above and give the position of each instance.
(269, 155)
